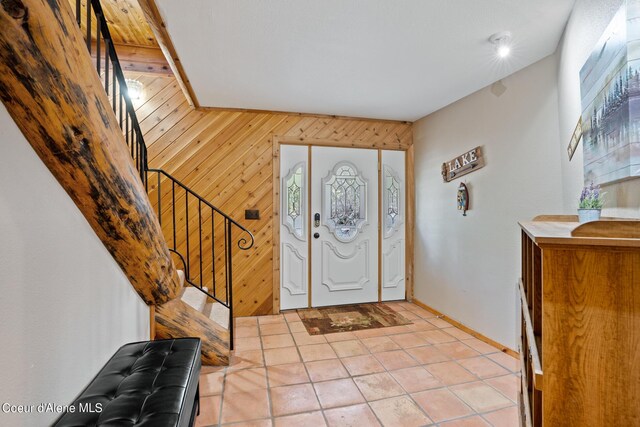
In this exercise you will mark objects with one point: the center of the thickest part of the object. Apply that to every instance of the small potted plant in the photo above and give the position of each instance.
(591, 202)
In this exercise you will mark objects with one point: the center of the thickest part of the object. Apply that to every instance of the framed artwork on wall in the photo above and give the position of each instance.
(610, 98)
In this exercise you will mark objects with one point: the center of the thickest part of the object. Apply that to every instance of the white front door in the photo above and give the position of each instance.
(344, 226)
(334, 217)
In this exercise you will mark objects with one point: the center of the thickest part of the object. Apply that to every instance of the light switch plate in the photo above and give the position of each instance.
(252, 214)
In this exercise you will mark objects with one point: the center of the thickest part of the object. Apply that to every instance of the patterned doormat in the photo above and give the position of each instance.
(345, 318)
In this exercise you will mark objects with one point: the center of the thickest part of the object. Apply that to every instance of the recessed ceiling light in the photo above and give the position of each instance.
(503, 51)
(502, 43)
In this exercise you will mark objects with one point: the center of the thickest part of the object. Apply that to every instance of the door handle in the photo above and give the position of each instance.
(316, 235)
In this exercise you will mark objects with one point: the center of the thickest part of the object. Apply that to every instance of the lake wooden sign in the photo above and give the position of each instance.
(466, 163)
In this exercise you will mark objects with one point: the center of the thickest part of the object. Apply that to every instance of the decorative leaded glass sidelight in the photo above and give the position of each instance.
(392, 208)
(294, 201)
(344, 201)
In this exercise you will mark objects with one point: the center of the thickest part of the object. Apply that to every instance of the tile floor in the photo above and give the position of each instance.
(425, 374)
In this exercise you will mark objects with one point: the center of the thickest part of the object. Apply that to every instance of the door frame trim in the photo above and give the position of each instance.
(277, 141)
(380, 232)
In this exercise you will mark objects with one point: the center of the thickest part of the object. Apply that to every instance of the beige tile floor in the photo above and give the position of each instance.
(425, 374)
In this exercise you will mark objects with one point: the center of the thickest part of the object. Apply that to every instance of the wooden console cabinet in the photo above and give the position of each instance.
(580, 342)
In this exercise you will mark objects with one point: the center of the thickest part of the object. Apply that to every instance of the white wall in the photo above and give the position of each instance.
(586, 24)
(65, 305)
(467, 267)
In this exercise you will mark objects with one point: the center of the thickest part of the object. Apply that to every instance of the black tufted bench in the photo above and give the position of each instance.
(149, 383)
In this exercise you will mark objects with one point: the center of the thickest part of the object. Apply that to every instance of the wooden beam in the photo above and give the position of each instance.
(176, 319)
(275, 229)
(296, 114)
(139, 59)
(154, 18)
(346, 143)
(410, 206)
(54, 95)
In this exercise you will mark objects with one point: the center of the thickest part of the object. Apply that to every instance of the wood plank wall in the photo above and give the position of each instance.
(226, 156)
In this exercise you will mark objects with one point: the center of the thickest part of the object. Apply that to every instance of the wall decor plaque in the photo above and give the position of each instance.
(465, 163)
(463, 198)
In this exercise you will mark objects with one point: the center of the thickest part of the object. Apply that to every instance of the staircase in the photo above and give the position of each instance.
(202, 238)
(197, 299)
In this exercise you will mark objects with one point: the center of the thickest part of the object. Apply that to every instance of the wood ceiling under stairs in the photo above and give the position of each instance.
(127, 23)
(226, 157)
(135, 43)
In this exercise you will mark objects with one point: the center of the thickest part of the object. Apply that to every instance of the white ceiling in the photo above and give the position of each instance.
(386, 59)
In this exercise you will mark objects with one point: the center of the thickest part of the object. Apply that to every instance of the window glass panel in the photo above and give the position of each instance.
(392, 206)
(392, 187)
(345, 204)
(294, 201)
